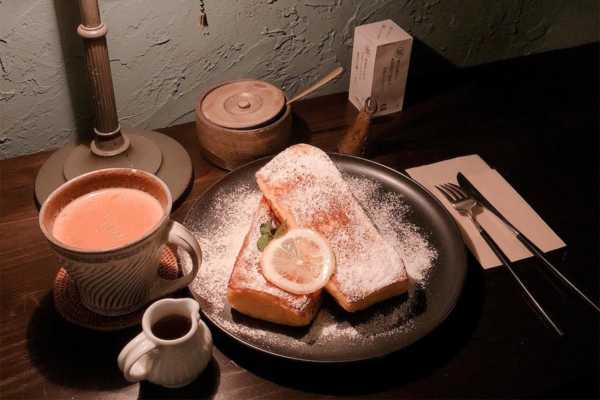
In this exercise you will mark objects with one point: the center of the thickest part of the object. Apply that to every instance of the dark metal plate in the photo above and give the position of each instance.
(431, 303)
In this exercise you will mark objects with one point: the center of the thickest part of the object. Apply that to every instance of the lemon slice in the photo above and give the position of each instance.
(298, 262)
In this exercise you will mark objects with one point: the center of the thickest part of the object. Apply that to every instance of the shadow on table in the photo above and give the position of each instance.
(205, 387)
(408, 365)
(72, 356)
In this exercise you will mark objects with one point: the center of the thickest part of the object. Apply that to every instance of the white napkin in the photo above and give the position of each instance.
(502, 195)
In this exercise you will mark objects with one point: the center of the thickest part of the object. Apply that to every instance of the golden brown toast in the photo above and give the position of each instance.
(305, 189)
(251, 294)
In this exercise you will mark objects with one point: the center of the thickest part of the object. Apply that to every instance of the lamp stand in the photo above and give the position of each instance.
(112, 146)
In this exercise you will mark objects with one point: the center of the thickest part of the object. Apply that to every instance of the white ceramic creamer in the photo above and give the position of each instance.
(168, 362)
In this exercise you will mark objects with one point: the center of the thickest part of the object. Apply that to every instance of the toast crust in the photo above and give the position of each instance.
(306, 190)
(250, 293)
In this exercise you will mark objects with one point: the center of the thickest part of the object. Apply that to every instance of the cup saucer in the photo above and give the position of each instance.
(68, 302)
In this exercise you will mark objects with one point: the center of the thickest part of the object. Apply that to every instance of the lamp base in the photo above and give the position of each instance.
(142, 154)
(171, 163)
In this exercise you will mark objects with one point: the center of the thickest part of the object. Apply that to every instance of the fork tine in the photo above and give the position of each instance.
(447, 194)
(459, 194)
(455, 186)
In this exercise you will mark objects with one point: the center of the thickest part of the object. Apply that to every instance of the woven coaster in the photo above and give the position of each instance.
(68, 303)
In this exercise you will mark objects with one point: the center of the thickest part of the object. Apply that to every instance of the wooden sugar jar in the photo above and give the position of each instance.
(239, 121)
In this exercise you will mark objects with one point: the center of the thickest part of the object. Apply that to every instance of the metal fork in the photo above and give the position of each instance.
(467, 206)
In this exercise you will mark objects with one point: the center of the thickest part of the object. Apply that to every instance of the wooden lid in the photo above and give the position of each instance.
(242, 104)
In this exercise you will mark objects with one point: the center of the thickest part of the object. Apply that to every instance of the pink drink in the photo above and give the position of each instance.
(107, 218)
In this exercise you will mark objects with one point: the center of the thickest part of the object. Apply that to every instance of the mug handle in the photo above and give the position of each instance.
(131, 354)
(181, 237)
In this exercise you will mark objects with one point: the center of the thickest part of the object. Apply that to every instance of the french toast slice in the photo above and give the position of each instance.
(305, 189)
(250, 293)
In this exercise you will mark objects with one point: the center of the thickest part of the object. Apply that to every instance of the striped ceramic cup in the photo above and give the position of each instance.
(122, 279)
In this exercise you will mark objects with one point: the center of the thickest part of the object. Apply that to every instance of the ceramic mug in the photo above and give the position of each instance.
(171, 362)
(123, 279)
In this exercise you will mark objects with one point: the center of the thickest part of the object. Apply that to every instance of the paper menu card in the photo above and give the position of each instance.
(502, 195)
(380, 61)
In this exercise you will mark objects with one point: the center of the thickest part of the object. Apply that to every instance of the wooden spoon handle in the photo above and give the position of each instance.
(317, 85)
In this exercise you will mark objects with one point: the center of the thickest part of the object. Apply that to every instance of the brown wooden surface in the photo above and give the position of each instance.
(535, 120)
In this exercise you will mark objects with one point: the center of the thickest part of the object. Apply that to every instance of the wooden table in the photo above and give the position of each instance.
(534, 119)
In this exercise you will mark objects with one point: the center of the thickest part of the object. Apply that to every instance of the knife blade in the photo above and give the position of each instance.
(471, 190)
(476, 194)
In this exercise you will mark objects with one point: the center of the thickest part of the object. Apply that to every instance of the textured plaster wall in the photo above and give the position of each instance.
(161, 59)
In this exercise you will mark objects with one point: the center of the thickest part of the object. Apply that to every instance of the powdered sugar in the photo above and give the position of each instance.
(388, 212)
(308, 191)
(248, 274)
(221, 239)
(220, 243)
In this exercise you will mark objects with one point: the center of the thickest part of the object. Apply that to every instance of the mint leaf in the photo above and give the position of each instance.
(266, 228)
(263, 241)
(268, 233)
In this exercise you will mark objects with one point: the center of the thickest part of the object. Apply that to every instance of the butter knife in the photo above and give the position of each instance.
(468, 187)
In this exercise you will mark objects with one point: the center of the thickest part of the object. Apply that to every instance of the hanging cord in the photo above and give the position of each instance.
(203, 20)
